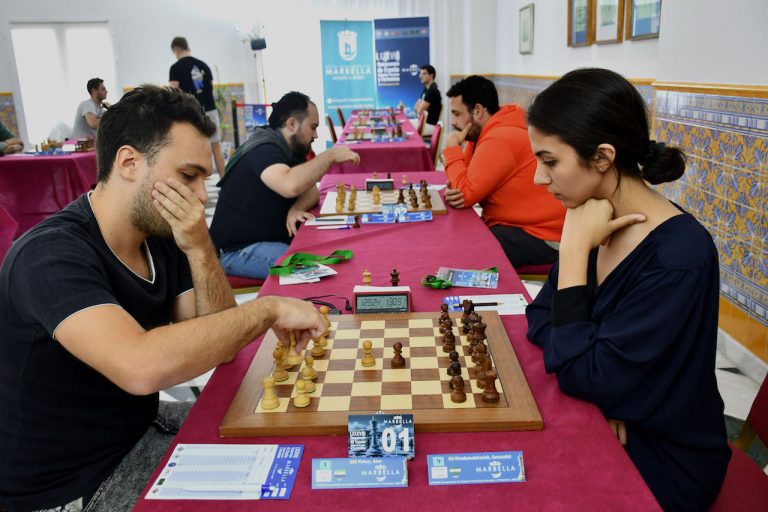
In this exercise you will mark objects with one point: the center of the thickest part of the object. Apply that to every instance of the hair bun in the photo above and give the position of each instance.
(661, 164)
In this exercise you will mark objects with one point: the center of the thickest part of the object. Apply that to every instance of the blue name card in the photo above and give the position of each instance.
(357, 473)
(476, 468)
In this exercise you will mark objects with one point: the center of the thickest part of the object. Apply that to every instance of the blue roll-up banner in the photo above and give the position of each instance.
(348, 72)
(402, 47)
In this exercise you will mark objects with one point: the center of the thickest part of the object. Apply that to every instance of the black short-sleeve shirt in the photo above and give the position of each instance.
(64, 427)
(194, 77)
(247, 210)
(432, 96)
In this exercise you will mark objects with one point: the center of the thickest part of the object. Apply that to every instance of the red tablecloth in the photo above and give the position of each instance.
(8, 227)
(33, 188)
(383, 157)
(575, 463)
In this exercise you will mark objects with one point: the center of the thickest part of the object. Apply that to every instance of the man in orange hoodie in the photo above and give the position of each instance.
(496, 169)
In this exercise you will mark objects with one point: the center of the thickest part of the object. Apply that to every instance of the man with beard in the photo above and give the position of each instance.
(89, 112)
(495, 169)
(269, 188)
(112, 299)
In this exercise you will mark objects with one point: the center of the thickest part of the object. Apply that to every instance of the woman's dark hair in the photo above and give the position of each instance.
(293, 104)
(591, 106)
(143, 119)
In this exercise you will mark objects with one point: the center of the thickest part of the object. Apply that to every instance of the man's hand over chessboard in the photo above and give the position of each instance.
(297, 316)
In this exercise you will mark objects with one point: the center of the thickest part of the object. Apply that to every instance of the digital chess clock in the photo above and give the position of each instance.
(382, 299)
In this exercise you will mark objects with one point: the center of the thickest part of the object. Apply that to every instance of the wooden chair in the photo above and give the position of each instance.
(341, 117)
(434, 143)
(420, 125)
(331, 128)
(8, 228)
(746, 484)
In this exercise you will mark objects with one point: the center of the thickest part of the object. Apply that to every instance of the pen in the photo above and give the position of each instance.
(330, 219)
(226, 488)
(334, 227)
(479, 304)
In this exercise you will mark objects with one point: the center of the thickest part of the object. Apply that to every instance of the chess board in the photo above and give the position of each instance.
(364, 202)
(344, 386)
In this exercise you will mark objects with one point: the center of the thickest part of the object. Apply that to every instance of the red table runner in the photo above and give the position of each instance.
(575, 463)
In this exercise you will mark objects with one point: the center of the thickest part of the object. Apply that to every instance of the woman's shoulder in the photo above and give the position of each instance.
(681, 242)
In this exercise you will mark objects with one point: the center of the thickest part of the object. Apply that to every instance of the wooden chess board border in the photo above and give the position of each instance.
(329, 203)
(519, 413)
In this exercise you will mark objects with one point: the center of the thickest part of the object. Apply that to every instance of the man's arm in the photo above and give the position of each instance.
(294, 181)
(186, 215)
(141, 362)
(92, 120)
(299, 212)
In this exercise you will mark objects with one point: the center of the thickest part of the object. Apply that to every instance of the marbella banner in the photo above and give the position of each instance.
(402, 47)
(348, 73)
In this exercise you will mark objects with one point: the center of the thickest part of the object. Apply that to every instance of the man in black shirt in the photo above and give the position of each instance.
(115, 297)
(194, 77)
(430, 100)
(269, 188)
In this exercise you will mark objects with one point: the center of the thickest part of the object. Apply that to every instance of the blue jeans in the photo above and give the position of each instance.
(254, 260)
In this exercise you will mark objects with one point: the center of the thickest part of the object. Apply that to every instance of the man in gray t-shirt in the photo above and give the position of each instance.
(89, 112)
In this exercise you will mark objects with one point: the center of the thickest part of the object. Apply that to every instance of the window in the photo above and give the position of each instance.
(54, 61)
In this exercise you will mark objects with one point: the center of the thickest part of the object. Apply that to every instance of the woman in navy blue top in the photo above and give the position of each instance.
(628, 317)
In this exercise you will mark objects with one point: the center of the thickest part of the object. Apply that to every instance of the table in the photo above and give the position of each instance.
(33, 188)
(574, 463)
(383, 157)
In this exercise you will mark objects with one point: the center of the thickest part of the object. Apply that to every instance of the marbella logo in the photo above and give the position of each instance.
(347, 44)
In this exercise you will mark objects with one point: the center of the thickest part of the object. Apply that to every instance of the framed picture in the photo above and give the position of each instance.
(526, 29)
(609, 21)
(580, 24)
(643, 19)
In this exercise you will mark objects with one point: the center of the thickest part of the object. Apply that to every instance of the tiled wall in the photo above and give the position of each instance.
(224, 94)
(725, 186)
(8, 112)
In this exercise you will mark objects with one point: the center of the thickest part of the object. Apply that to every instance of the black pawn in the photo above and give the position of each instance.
(454, 369)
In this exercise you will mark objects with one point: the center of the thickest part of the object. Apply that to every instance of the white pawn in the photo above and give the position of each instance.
(301, 400)
(317, 349)
(293, 358)
(368, 359)
(310, 365)
(309, 384)
(279, 374)
(269, 398)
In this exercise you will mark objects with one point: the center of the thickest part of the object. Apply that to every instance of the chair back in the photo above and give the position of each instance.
(8, 228)
(341, 117)
(756, 423)
(422, 119)
(435, 142)
(331, 128)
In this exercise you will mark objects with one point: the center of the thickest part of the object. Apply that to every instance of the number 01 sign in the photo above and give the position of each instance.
(381, 435)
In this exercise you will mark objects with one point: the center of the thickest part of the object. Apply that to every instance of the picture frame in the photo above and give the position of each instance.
(580, 23)
(643, 19)
(525, 27)
(609, 21)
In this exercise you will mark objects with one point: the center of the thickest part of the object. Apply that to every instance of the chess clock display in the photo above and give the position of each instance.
(379, 299)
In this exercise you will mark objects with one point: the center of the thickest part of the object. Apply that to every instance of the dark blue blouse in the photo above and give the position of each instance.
(641, 346)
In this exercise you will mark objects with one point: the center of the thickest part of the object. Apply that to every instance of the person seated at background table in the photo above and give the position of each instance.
(496, 169)
(90, 112)
(9, 144)
(430, 100)
(118, 296)
(628, 316)
(269, 188)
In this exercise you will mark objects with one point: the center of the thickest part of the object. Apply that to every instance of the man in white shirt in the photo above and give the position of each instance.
(89, 112)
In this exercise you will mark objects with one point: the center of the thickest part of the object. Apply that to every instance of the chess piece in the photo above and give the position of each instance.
(490, 394)
(356, 223)
(458, 395)
(481, 371)
(323, 338)
(301, 399)
(292, 358)
(279, 373)
(443, 307)
(269, 398)
(317, 349)
(368, 359)
(398, 361)
(389, 175)
(427, 202)
(454, 369)
(401, 197)
(306, 376)
(376, 193)
(449, 342)
(394, 277)
(339, 204)
(375, 175)
(366, 278)
(309, 361)
(404, 181)
(480, 352)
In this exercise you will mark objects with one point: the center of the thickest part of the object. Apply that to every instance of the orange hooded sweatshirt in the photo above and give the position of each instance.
(497, 172)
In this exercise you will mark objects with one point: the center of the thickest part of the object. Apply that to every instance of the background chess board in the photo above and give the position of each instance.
(364, 202)
(344, 386)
